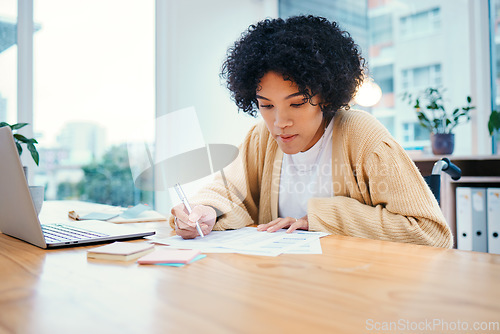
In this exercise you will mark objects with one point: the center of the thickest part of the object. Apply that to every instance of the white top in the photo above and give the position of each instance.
(306, 175)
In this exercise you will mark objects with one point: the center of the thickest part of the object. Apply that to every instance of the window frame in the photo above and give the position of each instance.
(25, 28)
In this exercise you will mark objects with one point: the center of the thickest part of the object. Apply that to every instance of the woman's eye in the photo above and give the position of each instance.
(266, 106)
(297, 104)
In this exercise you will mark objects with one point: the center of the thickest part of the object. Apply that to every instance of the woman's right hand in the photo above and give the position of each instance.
(185, 223)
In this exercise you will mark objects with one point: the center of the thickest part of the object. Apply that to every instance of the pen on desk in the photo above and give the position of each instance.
(184, 200)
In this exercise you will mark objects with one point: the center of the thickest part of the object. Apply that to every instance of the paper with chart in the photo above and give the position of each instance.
(248, 240)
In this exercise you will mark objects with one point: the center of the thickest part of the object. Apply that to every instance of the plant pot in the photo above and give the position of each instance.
(442, 143)
(37, 195)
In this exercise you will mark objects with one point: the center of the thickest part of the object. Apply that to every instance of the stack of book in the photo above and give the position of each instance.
(145, 253)
(120, 251)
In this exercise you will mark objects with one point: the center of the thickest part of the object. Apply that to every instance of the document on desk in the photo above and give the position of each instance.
(248, 240)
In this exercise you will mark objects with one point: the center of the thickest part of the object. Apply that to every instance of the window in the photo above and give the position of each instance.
(420, 78)
(414, 135)
(381, 30)
(422, 23)
(384, 77)
(8, 61)
(93, 93)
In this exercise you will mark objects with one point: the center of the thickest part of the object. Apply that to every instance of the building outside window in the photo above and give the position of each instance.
(93, 94)
(419, 78)
(422, 23)
(409, 46)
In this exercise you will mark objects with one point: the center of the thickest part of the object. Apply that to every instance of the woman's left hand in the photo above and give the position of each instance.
(292, 224)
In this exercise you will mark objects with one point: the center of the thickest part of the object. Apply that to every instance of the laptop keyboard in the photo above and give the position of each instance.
(61, 233)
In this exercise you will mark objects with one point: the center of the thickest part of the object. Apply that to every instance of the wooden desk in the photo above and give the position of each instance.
(355, 286)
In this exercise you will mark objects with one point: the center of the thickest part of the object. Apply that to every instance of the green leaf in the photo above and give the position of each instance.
(2, 124)
(21, 138)
(437, 123)
(421, 116)
(34, 153)
(469, 100)
(424, 121)
(19, 149)
(18, 126)
(433, 105)
(417, 104)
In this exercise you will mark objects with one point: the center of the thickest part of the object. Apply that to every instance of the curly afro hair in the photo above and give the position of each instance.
(311, 51)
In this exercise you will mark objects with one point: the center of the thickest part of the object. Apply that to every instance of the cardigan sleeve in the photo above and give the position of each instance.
(234, 192)
(395, 202)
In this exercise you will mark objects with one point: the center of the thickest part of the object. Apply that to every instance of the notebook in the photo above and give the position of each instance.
(18, 217)
(169, 256)
(120, 251)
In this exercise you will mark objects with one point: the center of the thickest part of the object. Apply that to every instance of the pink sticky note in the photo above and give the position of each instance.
(169, 256)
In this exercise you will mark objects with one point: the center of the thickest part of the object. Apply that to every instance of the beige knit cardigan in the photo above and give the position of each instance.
(379, 192)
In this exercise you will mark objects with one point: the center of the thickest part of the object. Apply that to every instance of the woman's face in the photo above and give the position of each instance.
(293, 122)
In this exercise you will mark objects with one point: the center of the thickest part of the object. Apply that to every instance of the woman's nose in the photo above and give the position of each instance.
(282, 119)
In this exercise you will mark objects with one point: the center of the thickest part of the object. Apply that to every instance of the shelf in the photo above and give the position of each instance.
(478, 171)
(477, 179)
(430, 157)
(482, 165)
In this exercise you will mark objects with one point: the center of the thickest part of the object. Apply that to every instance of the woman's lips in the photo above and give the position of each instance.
(287, 138)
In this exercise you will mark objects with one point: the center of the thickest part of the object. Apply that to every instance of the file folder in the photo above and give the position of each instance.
(464, 218)
(479, 231)
(493, 202)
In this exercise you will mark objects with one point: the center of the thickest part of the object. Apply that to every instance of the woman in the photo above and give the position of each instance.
(313, 163)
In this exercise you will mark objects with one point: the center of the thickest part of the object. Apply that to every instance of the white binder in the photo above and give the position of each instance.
(479, 232)
(493, 202)
(464, 218)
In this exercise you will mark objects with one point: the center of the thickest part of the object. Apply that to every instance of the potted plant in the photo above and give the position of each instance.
(20, 139)
(433, 116)
(37, 192)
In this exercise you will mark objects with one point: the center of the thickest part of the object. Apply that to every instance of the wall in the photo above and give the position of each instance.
(197, 35)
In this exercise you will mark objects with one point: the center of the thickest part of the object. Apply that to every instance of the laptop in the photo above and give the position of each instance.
(18, 217)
